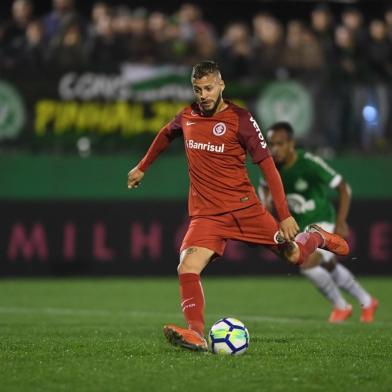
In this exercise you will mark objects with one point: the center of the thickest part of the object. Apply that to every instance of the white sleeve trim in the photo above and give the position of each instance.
(335, 181)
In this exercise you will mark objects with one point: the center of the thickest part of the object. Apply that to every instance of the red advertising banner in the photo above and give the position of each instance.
(143, 238)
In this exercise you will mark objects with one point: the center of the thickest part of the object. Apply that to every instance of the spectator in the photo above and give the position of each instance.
(348, 63)
(59, 19)
(235, 51)
(104, 49)
(205, 46)
(31, 53)
(388, 21)
(302, 52)
(157, 28)
(13, 33)
(189, 17)
(181, 49)
(131, 32)
(67, 51)
(268, 43)
(99, 11)
(352, 19)
(193, 29)
(22, 15)
(139, 48)
(379, 50)
(322, 26)
(346, 70)
(122, 21)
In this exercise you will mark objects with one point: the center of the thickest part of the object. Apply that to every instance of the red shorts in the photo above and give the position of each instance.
(253, 225)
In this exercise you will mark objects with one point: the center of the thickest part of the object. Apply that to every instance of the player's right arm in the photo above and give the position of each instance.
(165, 136)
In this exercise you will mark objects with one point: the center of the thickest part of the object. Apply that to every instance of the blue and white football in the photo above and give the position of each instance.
(228, 336)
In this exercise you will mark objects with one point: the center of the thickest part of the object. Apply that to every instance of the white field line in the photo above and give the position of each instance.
(50, 311)
(129, 313)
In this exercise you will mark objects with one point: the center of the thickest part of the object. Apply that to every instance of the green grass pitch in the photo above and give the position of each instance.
(106, 335)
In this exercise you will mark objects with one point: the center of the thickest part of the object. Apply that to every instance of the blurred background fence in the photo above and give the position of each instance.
(85, 87)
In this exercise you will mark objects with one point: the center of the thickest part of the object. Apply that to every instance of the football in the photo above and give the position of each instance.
(228, 336)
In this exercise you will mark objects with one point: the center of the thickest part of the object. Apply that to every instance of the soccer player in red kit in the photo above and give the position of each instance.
(222, 201)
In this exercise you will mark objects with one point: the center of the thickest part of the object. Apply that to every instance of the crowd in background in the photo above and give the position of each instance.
(336, 51)
(260, 47)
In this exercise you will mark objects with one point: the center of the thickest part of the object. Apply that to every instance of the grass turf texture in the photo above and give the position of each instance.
(106, 335)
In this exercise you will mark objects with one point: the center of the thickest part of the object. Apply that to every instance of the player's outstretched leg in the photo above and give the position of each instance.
(306, 243)
(332, 242)
(186, 338)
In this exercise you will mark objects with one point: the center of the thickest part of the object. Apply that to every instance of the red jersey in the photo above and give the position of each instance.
(216, 148)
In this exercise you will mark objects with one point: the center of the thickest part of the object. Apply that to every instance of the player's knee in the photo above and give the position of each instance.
(183, 267)
(187, 267)
(193, 260)
(187, 263)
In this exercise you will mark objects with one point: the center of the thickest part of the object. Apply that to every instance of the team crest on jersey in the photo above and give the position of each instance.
(301, 185)
(219, 129)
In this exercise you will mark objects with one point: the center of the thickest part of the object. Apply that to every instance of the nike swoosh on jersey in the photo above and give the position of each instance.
(190, 123)
(186, 300)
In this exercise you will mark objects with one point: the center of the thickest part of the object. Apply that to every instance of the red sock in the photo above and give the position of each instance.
(192, 301)
(308, 243)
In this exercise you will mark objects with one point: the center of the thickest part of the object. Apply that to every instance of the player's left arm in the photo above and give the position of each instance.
(253, 141)
(343, 208)
(287, 224)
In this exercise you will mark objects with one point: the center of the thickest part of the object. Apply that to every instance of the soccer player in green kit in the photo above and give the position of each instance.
(305, 178)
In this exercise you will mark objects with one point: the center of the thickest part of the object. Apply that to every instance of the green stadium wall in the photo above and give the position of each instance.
(100, 177)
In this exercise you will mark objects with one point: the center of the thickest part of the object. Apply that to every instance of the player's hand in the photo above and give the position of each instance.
(288, 228)
(342, 229)
(134, 177)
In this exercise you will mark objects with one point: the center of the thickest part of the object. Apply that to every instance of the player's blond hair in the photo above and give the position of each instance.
(205, 68)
